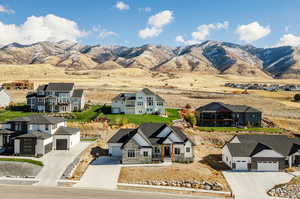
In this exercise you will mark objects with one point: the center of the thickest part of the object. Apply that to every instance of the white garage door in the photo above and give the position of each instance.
(115, 110)
(241, 165)
(116, 151)
(267, 166)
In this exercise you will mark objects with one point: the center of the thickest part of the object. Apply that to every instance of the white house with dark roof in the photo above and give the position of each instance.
(262, 152)
(151, 142)
(4, 98)
(37, 135)
(141, 102)
(56, 97)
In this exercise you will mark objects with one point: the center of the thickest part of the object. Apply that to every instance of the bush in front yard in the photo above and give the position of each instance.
(191, 118)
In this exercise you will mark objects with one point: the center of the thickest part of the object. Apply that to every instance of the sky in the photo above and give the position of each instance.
(262, 23)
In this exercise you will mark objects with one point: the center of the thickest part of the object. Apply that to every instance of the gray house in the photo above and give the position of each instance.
(37, 135)
(217, 114)
(141, 102)
(262, 152)
(151, 142)
(4, 98)
(56, 97)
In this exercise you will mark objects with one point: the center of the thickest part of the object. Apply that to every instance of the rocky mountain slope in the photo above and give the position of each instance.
(210, 57)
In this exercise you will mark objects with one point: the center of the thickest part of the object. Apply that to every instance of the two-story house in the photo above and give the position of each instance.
(4, 98)
(56, 97)
(142, 102)
(151, 142)
(37, 135)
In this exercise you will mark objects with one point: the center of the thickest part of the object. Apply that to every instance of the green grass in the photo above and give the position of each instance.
(139, 119)
(87, 115)
(6, 115)
(88, 139)
(232, 129)
(35, 162)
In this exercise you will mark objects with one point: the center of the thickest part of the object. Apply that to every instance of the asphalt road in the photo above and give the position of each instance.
(32, 192)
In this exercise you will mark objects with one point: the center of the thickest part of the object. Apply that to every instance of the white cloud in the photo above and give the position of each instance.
(156, 24)
(6, 10)
(43, 28)
(122, 6)
(149, 32)
(252, 32)
(289, 40)
(103, 34)
(203, 31)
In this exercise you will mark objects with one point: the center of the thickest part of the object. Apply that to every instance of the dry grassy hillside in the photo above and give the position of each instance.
(177, 88)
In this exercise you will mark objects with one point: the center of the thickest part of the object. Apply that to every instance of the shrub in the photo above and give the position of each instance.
(297, 97)
(188, 106)
(191, 119)
(121, 121)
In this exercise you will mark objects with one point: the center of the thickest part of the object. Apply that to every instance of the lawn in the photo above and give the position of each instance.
(6, 115)
(173, 114)
(232, 129)
(87, 115)
(35, 162)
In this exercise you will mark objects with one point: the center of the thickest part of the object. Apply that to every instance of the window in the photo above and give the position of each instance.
(146, 154)
(131, 153)
(18, 127)
(160, 103)
(188, 149)
(177, 151)
(46, 127)
(140, 103)
(156, 150)
(150, 103)
(40, 99)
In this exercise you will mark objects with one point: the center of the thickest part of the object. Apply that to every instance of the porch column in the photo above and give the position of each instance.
(290, 161)
(162, 152)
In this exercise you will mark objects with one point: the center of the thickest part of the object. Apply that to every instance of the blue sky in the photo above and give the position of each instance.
(263, 23)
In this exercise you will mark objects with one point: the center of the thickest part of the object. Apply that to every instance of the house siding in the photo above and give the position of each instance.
(139, 157)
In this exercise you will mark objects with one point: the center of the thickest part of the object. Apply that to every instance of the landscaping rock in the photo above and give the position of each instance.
(216, 186)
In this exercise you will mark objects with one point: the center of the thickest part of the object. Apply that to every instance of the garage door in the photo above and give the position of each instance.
(61, 144)
(267, 166)
(28, 146)
(115, 110)
(241, 165)
(116, 151)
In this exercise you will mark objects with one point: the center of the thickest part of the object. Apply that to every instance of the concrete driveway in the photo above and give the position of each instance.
(250, 185)
(103, 173)
(55, 164)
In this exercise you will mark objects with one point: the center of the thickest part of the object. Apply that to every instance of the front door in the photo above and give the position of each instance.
(297, 160)
(167, 151)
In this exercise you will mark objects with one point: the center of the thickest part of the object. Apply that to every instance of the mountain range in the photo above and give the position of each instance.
(209, 57)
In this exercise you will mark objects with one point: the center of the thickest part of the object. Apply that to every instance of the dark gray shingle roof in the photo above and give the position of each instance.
(66, 131)
(122, 135)
(39, 119)
(35, 134)
(215, 106)
(64, 87)
(149, 131)
(78, 93)
(280, 143)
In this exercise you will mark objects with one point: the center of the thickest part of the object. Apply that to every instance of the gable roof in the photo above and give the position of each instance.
(280, 143)
(77, 93)
(64, 87)
(149, 132)
(35, 134)
(215, 106)
(132, 96)
(62, 130)
(39, 119)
